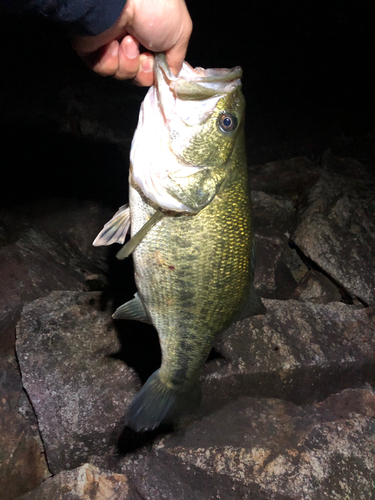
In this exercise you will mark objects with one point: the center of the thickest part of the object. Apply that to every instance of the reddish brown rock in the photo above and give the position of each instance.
(85, 483)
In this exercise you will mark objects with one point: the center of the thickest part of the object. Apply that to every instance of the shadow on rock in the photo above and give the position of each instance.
(126, 440)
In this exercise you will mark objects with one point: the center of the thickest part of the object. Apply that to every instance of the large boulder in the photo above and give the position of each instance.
(280, 451)
(45, 246)
(299, 351)
(336, 230)
(79, 389)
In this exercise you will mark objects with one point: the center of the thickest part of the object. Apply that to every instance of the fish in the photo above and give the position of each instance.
(191, 236)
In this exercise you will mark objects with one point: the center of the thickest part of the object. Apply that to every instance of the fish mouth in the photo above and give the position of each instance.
(195, 84)
(193, 94)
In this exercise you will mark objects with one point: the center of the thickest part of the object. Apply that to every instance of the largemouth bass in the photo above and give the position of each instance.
(191, 235)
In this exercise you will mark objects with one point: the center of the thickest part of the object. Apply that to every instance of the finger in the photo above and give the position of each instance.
(176, 54)
(128, 59)
(145, 75)
(105, 60)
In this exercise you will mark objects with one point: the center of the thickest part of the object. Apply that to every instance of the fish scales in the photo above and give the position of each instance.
(192, 273)
(191, 233)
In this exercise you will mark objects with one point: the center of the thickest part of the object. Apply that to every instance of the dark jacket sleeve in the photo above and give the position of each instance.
(79, 17)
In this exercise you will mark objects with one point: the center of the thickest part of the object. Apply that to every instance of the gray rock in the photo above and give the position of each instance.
(73, 225)
(79, 391)
(337, 231)
(317, 288)
(347, 167)
(159, 476)
(85, 483)
(46, 246)
(23, 464)
(323, 451)
(296, 351)
(273, 220)
(272, 213)
(286, 178)
(289, 272)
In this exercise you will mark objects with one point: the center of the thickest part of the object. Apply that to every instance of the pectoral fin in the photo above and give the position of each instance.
(129, 247)
(133, 310)
(116, 229)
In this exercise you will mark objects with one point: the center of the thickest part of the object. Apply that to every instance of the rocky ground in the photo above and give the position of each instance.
(288, 409)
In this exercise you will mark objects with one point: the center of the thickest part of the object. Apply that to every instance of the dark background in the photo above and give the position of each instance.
(308, 82)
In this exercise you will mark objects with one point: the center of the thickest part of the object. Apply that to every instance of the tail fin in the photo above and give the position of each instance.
(156, 403)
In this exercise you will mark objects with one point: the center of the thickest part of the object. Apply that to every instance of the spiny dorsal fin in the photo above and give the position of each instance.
(133, 309)
(128, 248)
(116, 229)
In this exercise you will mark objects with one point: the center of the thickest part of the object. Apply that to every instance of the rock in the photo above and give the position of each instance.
(159, 476)
(272, 213)
(30, 268)
(268, 252)
(273, 221)
(317, 288)
(336, 231)
(323, 451)
(85, 483)
(286, 178)
(23, 464)
(74, 226)
(347, 167)
(295, 265)
(46, 246)
(289, 272)
(79, 390)
(296, 351)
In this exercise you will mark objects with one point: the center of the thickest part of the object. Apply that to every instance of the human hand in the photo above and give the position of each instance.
(162, 26)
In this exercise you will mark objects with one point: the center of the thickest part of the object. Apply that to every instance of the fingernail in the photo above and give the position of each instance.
(131, 49)
(114, 49)
(147, 64)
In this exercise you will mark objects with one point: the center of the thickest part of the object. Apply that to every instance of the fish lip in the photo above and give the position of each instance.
(212, 75)
(192, 84)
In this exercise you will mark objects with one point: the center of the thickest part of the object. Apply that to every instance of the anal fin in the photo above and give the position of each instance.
(252, 307)
(133, 309)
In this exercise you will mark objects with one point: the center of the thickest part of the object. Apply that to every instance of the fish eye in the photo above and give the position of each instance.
(227, 122)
